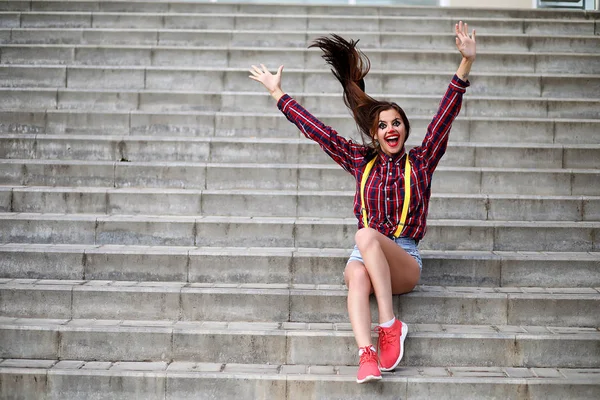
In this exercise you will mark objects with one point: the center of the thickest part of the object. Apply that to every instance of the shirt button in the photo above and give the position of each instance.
(390, 173)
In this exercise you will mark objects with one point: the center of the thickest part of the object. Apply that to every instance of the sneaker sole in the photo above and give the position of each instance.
(404, 333)
(369, 379)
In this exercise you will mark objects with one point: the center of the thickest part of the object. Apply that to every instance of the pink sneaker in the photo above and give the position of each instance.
(367, 367)
(391, 345)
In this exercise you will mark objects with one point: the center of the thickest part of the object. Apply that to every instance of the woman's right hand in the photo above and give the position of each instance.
(269, 81)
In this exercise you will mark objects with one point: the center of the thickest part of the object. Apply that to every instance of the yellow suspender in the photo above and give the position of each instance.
(363, 182)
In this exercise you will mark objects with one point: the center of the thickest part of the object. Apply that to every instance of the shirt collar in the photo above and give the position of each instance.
(394, 158)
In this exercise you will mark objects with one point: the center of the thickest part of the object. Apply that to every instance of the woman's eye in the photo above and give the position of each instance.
(381, 126)
(396, 123)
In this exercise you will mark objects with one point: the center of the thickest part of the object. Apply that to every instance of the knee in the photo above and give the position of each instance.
(357, 276)
(365, 238)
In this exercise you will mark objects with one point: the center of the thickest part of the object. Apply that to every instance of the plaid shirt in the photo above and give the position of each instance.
(384, 191)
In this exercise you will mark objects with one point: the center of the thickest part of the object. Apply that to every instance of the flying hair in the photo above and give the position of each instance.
(350, 66)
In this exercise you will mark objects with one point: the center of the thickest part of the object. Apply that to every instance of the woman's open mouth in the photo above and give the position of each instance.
(392, 140)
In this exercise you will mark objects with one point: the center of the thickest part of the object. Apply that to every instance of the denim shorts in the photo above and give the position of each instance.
(408, 244)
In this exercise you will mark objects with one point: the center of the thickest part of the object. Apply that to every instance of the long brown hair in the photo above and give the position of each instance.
(350, 66)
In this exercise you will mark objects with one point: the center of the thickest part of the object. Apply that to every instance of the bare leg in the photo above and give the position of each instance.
(390, 268)
(359, 289)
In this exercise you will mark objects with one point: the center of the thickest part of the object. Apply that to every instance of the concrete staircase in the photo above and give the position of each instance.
(165, 233)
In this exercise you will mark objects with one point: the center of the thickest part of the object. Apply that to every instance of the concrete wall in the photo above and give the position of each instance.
(590, 5)
(489, 3)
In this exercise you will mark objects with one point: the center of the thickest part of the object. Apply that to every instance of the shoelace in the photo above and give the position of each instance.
(367, 355)
(386, 336)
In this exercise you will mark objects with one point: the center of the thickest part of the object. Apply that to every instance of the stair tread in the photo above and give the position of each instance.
(285, 220)
(368, 50)
(271, 140)
(261, 192)
(298, 252)
(582, 20)
(331, 165)
(342, 329)
(312, 71)
(267, 113)
(422, 291)
(311, 372)
(298, 32)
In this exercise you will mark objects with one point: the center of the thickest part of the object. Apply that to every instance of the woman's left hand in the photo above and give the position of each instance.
(465, 43)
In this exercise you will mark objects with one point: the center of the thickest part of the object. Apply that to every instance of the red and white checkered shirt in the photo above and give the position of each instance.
(384, 190)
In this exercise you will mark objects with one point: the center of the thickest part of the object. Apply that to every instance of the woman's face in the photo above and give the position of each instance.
(391, 132)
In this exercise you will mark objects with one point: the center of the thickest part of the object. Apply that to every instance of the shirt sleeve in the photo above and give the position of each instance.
(344, 152)
(436, 140)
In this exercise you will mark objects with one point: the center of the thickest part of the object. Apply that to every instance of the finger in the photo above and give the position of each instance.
(466, 29)
(254, 77)
(473, 35)
(280, 70)
(258, 71)
(456, 29)
(265, 69)
(461, 31)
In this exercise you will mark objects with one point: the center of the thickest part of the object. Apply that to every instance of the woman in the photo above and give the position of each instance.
(393, 188)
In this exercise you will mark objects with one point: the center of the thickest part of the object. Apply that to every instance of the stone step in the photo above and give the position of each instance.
(294, 58)
(275, 125)
(212, 176)
(286, 203)
(288, 265)
(497, 42)
(405, 8)
(179, 6)
(283, 265)
(255, 150)
(183, 101)
(294, 343)
(235, 79)
(288, 232)
(59, 379)
(259, 302)
(269, 21)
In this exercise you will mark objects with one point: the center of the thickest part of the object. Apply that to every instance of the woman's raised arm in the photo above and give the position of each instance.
(344, 152)
(436, 139)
